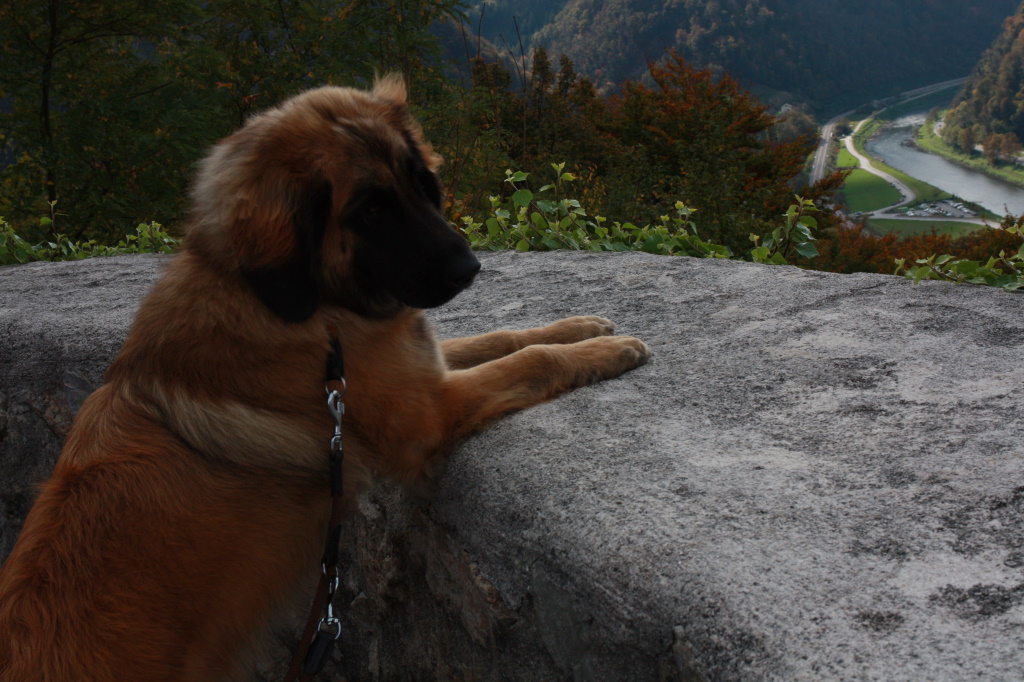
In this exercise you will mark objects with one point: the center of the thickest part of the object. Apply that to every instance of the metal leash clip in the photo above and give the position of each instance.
(337, 410)
(328, 630)
(319, 637)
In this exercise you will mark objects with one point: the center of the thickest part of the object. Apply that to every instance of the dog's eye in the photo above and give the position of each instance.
(373, 203)
(424, 179)
(428, 183)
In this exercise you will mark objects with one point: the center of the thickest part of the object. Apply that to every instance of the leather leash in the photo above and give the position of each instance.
(322, 628)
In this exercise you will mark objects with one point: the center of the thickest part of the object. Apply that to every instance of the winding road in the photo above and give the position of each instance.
(865, 163)
(908, 194)
(820, 165)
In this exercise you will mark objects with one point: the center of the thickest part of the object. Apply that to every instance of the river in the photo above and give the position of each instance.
(969, 185)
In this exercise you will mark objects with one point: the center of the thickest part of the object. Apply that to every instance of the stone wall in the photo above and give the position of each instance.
(817, 477)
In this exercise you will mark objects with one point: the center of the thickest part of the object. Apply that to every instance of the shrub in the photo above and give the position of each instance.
(546, 220)
(148, 238)
(1005, 270)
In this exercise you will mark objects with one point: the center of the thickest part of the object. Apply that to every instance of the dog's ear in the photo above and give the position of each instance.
(391, 88)
(254, 214)
(292, 288)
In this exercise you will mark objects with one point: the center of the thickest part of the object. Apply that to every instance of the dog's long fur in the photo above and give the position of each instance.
(191, 498)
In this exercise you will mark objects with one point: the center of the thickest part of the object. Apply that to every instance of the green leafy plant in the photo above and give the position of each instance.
(545, 220)
(148, 238)
(1005, 270)
(793, 236)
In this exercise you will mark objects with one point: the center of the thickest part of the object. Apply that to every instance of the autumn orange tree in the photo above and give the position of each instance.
(851, 247)
(697, 136)
(705, 140)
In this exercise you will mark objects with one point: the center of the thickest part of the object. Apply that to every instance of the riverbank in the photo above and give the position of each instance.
(935, 191)
(884, 201)
(929, 141)
(920, 190)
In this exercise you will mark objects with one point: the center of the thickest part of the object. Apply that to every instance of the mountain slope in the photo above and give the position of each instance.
(831, 53)
(992, 100)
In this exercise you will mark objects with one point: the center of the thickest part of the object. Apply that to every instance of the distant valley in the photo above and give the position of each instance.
(829, 54)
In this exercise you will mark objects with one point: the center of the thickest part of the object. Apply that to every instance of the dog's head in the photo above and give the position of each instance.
(331, 197)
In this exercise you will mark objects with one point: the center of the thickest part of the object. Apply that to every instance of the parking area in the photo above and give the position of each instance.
(949, 208)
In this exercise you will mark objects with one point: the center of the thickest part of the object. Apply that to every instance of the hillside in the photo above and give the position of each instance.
(829, 53)
(990, 108)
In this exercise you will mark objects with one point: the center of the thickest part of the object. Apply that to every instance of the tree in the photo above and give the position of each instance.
(792, 122)
(706, 141)
(991, 147)
(554, 118)
(73, 80)
(965, 140)
(564, 115)
(991, 102)
(112, 103)
(1009, 146)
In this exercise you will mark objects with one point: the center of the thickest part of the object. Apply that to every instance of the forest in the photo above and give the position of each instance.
(783, 50)
(106, 110)
(110, 109)
(989, 111)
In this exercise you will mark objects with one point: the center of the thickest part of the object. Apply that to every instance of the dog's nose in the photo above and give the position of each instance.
(466, 274)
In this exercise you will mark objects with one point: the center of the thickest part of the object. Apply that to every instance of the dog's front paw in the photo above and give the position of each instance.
(580, 328)
(608, 357)
(632, 352)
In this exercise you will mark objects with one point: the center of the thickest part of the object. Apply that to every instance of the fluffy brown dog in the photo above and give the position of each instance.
(191, 499)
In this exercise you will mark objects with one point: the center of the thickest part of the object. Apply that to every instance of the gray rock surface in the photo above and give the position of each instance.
(817, 477)
(60, 326)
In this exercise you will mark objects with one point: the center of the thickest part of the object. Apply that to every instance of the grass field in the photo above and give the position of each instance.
(907, 228)
(922, 190)
(845, 159)
(866, 192)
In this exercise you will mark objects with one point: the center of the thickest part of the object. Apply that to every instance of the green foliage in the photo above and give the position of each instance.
(14, 249)
(1005, 270)
(701, 137)
(544, 220)
(793, 238)
(695, 136)
(108, 105)
(527, 220)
